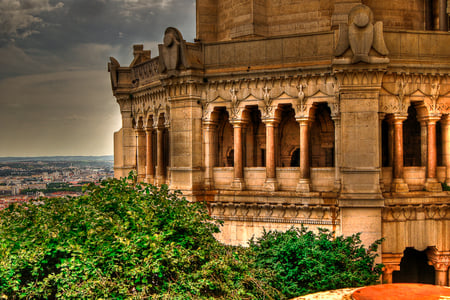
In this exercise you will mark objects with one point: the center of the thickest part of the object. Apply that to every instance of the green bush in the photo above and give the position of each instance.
(131, 241)
(305, 262)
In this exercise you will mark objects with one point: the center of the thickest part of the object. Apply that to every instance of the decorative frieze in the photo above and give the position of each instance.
(395, 213)
(276, 213)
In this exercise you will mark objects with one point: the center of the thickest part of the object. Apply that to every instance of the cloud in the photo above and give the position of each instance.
(57, 113)
(21, 18)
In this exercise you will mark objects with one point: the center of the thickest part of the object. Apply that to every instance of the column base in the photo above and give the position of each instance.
(432, 185)
(238, 184)
(271, 184)
(304, 186)
(141, 178)
(150, 179)
(399, 186)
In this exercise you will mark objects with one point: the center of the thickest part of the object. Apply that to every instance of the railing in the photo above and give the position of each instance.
(322, 179)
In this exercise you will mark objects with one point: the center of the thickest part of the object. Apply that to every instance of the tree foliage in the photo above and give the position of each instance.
(305, 262)
(124, 240)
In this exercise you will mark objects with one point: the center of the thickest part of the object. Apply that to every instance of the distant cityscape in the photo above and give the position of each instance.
(26, 178)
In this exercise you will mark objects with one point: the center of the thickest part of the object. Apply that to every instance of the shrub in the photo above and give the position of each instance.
(305, 262)
(124, 240)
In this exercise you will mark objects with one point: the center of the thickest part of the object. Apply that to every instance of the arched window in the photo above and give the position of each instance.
(411, 139)
(322, 137)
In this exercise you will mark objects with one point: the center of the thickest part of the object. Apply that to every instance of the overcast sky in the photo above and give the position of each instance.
(55, 94)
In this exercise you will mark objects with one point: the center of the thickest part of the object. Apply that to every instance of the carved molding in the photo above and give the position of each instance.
(439, 260)
(267, 94)
(396, 213)
(275, 213)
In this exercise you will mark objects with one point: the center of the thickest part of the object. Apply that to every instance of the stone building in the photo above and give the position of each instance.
(330, 114)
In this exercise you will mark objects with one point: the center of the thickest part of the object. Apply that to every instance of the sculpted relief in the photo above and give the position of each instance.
(360, 35)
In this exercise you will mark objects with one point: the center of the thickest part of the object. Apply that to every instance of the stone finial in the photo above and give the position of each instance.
(172, 54)
(361, 35)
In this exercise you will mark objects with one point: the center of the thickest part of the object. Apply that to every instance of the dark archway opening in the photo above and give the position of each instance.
(295, 158)
(414, 268)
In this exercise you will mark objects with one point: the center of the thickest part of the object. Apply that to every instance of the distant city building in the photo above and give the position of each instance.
(329, 114)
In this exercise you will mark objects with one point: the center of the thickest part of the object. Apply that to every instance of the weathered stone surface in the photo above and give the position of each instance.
(277, 116)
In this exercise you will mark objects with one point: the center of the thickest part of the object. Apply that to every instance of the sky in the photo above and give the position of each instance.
(55, 91)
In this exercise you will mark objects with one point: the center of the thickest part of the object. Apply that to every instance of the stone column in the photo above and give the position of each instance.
(380, 155)
(304, 183)
(423, 142)
(140, 154)
(445, 126)
(441, 262)
(337, 151)
(443, 18)
(149, 170)
(160, 172)
(398, 183)
(209, 130)
(238, 181)
(391, 262)
(391, 142)
(271, 183)
(431, 183)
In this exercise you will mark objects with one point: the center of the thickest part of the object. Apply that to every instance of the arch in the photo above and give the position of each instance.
(414, 268)
(295, 158)
(412, 155)
(255, 138)
(225, 137)
(289, 138)
(322, 137)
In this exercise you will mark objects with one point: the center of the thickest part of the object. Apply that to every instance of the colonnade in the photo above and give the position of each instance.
(429, 151)
(271, 127)
(148, 169)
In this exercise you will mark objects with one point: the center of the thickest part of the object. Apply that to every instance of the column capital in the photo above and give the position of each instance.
(271, 121)
(432, 119)
(303, 120)
(148, 128)
(397, 118)
(439, 260)
(238, 122)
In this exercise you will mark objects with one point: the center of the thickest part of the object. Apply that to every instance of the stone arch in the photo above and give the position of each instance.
(412, 152)
(322, 137)
(225, 136)
(414, 268)
(289, 136)
(255, 138)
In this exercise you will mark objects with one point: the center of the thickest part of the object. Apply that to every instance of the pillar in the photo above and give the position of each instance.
(391, 262)
(149, 169)
(445, 125)
(271, 183)
(441, 262)
(443, 18)
(238, 181)
(304, 183)
(431, 183)
(140, 154)
(398, 183)
(209, 130)
(423, 142)
(337, 151)
(160, 172)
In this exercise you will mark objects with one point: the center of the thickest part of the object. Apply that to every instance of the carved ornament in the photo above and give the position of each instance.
(361, 35)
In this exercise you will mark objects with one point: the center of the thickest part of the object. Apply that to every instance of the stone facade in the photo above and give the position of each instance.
(331, 114)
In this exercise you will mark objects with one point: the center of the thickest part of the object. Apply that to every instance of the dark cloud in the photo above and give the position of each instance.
(55, 92)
